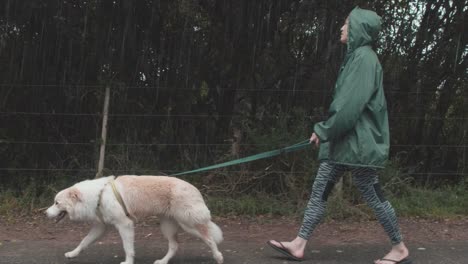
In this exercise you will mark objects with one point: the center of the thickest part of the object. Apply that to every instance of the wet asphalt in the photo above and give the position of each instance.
(235, 252)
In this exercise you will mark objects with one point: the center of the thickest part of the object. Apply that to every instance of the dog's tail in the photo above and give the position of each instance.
(215, 232)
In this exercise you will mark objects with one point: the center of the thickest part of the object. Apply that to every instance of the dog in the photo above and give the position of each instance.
(177, 203)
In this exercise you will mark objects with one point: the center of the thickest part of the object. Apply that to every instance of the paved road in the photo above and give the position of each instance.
(235, 252)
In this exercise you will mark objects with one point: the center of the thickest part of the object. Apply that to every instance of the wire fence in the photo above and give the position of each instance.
(200, 115)
(94, 142)
(172, 88)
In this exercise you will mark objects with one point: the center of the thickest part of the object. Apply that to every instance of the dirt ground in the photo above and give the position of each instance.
(36, 240)
(259, 229)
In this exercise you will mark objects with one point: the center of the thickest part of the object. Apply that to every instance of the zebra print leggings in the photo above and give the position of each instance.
(366, 180)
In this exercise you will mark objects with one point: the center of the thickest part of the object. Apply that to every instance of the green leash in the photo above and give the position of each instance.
(263, 155)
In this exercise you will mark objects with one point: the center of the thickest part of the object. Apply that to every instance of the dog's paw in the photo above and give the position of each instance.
(219, 258)
(72, 254)
(160, 261)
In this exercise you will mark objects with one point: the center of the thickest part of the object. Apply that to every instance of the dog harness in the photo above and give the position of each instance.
(119, 199)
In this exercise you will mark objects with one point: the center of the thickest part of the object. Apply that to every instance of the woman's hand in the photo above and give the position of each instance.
(315, 139)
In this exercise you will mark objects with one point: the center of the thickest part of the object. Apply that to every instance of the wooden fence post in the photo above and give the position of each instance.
(103, 133)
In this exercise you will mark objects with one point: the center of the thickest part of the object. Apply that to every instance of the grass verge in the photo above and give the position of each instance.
(444, 202)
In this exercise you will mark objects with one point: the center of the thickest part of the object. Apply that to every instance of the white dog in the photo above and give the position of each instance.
(176, 202)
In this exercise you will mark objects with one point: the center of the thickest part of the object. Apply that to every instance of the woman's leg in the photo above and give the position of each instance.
(327, 176)
(367, 181)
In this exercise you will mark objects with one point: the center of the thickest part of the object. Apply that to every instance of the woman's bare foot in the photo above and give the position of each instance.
(398, 253)
(295, 247)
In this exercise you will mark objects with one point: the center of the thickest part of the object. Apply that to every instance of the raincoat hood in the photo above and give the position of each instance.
(363, 28)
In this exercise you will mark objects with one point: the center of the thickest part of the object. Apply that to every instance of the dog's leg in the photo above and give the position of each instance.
(126, 231)
(96, 232)
(203, 231)
(169, 229)
(208, 238)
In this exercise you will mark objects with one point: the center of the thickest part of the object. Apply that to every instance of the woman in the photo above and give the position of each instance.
(354, 138)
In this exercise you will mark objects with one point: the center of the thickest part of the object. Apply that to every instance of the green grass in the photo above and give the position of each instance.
(444, 202)
(251, 206)
(27, 201)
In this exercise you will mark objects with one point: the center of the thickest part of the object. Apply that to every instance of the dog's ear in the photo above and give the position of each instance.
(75, 194)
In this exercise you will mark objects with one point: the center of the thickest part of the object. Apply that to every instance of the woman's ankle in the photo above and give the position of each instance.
(400, 250)
(299, 243)
(400, 247)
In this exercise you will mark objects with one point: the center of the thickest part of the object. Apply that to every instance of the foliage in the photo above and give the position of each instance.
(189, 77)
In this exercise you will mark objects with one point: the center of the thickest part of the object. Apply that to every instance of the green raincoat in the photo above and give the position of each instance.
(356, 132)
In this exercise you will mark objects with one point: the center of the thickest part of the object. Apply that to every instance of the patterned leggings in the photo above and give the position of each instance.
(366, 180)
